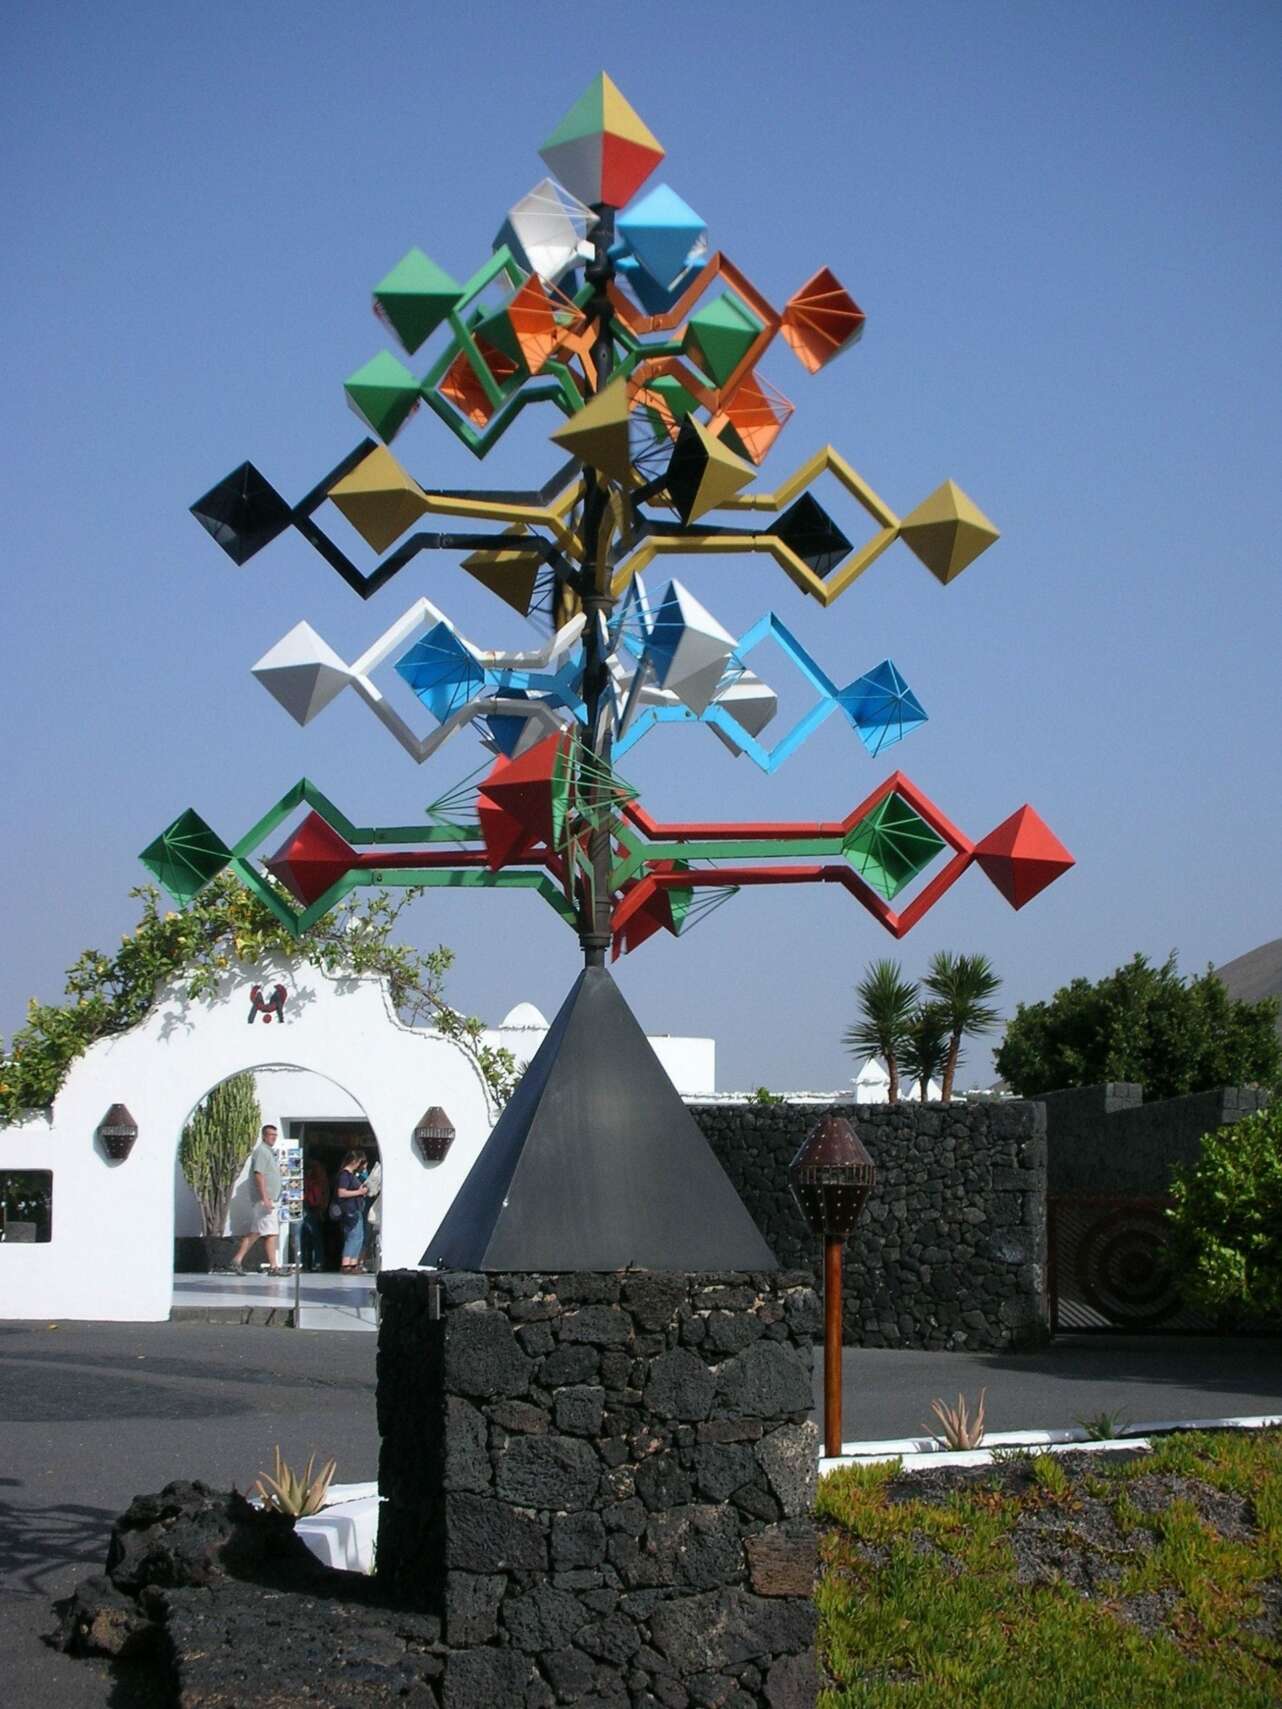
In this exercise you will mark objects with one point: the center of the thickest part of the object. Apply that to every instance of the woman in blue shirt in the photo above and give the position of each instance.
(351, 1192)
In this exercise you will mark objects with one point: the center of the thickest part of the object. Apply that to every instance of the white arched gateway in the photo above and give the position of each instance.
(110, 1223)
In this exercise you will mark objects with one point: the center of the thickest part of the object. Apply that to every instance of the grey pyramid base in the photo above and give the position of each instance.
(596, 1164)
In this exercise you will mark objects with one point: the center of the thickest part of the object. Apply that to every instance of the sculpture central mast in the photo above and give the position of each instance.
(595, 933)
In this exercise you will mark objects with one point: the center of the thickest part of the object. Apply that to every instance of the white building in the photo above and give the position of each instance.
(335, 1066)
(872, 1085)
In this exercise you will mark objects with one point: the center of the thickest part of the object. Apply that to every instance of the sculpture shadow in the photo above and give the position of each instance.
(38, 1544)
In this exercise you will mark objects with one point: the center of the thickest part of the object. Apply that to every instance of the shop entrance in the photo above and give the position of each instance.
(320, 1125)
(326, 1145)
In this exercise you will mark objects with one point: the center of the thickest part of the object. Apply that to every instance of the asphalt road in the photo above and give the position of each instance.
(93, 1414)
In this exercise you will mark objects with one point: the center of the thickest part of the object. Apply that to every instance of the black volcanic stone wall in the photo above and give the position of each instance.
(602, 1485)
(951, 1249)
(1106, 1139)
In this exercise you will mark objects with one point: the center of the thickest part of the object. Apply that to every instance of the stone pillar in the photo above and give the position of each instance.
(602, 1484)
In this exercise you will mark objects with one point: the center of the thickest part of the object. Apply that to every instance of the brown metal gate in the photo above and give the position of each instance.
(1106, 1266)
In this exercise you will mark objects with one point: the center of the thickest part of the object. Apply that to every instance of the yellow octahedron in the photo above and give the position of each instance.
(947, 531)
(600, 434)
(379, 499)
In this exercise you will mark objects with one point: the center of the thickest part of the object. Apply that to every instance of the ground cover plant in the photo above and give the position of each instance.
(1059, 1581)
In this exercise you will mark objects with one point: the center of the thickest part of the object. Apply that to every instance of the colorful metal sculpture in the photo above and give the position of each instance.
(613, 311)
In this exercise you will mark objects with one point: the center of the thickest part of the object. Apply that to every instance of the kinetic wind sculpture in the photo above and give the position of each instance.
(651, 357)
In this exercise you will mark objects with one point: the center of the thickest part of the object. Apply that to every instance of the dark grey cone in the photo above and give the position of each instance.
(596, 1164)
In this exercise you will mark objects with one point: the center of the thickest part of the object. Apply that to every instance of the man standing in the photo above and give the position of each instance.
(264, 1175)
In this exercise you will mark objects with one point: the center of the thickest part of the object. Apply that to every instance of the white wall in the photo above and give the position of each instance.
(341, 1052)
(111, 1255)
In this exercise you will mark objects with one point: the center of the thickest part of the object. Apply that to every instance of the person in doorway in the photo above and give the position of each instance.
(264, 1175)
(373, 1216)
(315, 1204)
(352, 1190)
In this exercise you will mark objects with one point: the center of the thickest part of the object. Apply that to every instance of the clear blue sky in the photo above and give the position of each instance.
(1063, 223)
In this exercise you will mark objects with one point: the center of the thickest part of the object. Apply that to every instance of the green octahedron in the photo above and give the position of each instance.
(891, 846)
(414, 298)
(186, 855)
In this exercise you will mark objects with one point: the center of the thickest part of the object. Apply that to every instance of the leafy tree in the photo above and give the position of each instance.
(925, 1045)
(1142, 1023)
(1226, 1223)
(962, 985)
(216, 1142)
(226, 924)
(886, 1003)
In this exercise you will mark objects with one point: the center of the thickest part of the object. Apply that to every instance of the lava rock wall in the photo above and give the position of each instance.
(1106, 1139)
(602, 1484)
(951, 1249)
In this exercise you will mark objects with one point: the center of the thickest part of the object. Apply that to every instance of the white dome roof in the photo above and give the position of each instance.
(525, 1017)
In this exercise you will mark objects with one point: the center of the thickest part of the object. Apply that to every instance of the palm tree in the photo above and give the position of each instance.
(925, 1045)
(886, 1003)
(962, 985)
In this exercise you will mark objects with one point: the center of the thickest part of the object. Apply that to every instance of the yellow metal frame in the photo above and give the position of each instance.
(550, 516)
(823, 588)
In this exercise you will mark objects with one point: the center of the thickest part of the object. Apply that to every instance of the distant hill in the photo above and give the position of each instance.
(1256, 974)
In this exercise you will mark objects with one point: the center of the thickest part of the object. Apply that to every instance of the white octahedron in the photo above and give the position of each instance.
(698, 653)
(550, 226)
(685, 660)
(687, 650)
(304, 674)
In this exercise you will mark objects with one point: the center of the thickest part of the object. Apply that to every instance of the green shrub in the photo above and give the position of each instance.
(763, 1095)
(1142, 1023)
(1226, 1224)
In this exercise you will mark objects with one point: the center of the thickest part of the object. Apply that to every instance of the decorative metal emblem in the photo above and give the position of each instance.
(267, 1006)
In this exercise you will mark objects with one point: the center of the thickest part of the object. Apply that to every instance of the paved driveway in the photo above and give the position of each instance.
(93, 1414)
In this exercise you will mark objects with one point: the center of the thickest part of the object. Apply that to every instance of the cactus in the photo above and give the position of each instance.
(214, 1145)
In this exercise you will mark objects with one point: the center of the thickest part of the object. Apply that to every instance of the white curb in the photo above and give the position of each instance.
(918, 1452)
(344, 1533)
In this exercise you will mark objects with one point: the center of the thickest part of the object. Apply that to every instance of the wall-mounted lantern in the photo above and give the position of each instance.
(117, 1131)
(831, 1178)
(434, 1134)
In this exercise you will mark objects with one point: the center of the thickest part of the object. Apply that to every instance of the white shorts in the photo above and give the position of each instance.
(265, 1221)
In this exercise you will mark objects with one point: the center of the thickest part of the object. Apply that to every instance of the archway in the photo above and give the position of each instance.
(319, 1124)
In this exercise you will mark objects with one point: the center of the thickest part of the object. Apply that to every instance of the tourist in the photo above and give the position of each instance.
(351, 1191)
(264, 1178)
(373, 1216)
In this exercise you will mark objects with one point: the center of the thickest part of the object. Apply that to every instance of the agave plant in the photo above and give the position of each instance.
(1104, 1425)
(297, 1494)
(959, 1429)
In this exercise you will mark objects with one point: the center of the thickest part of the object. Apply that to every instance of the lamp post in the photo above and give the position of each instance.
(831, 1177)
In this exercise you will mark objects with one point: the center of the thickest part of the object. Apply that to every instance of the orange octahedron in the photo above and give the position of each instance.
(757, 412)
(462, 386)
(821, 321)
(535, 326)
(1022, 856)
